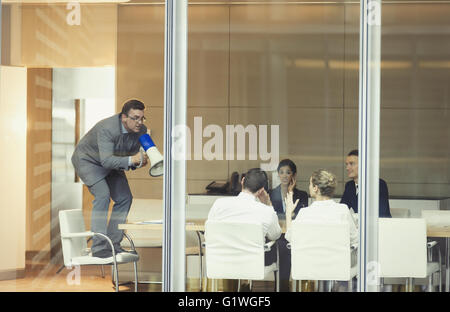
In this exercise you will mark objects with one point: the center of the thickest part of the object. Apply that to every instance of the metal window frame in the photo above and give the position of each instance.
(368, 131)
(175, 107)
(369, 144)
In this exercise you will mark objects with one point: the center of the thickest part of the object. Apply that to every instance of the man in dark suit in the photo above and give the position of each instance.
(350, 196)
(100, 159)
(287, 171)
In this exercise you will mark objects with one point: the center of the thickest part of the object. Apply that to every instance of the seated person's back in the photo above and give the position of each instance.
(323, 209)
(328, 211)
(246, 209)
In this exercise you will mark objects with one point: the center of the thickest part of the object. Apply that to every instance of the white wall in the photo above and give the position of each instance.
(13, 129)
(95, 87)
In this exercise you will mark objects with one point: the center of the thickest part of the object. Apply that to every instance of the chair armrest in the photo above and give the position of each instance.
(79, 234)
(130, 240)
(268, 246)
(431, 244)
(88, 234)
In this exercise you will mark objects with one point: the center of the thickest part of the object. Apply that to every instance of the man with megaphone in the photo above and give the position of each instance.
(111, 147)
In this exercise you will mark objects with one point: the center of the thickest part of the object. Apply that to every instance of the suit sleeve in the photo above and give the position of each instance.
(303, 201)
(277, 205)
(106, 152)
(385, 210)
(346, 197)
(274, 230)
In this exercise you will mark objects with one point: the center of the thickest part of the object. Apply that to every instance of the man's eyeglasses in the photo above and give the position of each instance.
(137, 119)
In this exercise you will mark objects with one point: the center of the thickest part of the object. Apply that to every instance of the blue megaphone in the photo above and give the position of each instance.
(156, 159)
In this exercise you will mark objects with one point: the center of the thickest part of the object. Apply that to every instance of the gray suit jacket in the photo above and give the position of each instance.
(104, 148)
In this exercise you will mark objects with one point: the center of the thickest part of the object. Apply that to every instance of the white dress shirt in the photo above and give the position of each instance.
(328, 211)
(245, 208)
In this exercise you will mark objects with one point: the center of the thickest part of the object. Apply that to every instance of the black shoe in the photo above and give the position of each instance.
(102, 254)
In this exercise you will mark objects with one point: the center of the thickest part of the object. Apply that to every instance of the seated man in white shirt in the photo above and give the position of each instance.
(251, 205)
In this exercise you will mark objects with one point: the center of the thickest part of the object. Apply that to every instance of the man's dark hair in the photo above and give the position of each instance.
(353, 153)
(255, 179)
(132, 104)
(289, 163)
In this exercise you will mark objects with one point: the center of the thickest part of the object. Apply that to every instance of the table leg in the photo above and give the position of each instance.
(201, 256)
(447, 265)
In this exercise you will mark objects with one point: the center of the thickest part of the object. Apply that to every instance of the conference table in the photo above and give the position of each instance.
(198, 226)
(444, 232)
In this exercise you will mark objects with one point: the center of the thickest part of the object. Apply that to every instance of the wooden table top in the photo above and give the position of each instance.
(438, 231)
(199, 225)
(191, 225)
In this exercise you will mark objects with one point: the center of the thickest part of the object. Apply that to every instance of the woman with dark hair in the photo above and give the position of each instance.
(287, 172)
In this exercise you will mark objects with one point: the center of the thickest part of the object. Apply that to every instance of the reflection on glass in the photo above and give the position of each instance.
(290, 64)
(97, 55)
(414, 143)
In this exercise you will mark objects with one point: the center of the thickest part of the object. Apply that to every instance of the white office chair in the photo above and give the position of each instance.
(195, 262)
(400, 213)
(436, 217)
(74, 245)
(402, 251)
(236, 251)
(322, 252)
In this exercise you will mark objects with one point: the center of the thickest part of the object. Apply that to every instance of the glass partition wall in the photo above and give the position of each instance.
(415, 121)
(66, 66)
(282, 76)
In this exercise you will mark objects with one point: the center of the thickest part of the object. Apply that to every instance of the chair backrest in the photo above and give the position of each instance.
(402, 247)
(320, 251)
(436, 217)
(71, 221)
(234, 250)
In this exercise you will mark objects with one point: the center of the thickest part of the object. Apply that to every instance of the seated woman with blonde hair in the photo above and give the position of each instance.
(322, 185)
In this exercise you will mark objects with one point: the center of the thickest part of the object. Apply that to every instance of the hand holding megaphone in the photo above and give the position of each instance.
(140, 159)
(155, 157)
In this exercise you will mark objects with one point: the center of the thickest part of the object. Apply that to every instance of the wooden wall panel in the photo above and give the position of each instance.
(297, 66)
(39, 169)
(13, 188)
(49, 41)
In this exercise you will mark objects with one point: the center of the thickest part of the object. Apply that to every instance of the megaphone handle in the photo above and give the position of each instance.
(141, 151)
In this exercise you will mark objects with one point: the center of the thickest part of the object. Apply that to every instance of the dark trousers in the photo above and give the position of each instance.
(114, 186)
(284, 255)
